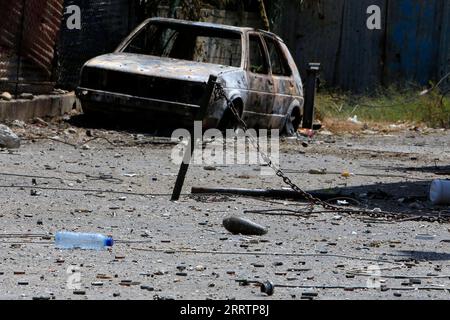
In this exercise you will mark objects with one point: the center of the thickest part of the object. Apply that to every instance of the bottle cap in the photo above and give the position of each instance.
(109, 242)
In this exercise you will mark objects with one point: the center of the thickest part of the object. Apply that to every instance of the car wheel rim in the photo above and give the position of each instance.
(293, 122)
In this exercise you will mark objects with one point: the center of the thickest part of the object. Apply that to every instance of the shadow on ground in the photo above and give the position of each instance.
(410, 197)
(438, 170)
(424, 255)
(127, 124)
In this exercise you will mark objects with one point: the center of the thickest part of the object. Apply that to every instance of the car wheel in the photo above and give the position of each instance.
(228, 120)
(90, 112)
(293, 122)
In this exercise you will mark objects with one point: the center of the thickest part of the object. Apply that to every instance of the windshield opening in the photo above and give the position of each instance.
(188, 43)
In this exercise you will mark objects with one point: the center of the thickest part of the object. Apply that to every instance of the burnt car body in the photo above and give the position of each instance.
(160, 71)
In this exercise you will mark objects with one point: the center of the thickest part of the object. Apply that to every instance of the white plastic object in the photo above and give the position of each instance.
(440, 192)
(86, 241)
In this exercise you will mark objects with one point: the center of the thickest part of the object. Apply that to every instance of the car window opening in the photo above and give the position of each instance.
(188, 43)
(258, 63)
(280, 66)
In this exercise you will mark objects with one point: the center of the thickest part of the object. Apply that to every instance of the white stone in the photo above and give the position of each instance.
(6, 96)
(200, 268)
(18, 124)
(8, 139)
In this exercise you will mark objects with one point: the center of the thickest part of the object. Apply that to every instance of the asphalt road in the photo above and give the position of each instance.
(121, 185)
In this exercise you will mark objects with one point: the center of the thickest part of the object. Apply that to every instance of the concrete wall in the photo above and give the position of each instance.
(41, 106)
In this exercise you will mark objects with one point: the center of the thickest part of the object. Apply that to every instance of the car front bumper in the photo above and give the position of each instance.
(109, 102)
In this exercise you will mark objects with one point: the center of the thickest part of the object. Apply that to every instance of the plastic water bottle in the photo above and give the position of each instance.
(86, 241)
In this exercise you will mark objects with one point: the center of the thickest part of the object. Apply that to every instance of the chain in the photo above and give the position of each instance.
(219, 93)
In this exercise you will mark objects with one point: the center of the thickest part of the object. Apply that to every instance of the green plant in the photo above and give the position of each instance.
(388, 105)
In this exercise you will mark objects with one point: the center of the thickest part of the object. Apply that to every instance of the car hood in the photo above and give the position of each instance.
(158, 67)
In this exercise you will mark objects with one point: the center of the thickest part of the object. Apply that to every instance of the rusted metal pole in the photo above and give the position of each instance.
(264, 193)
(310, 95)
(192, 143)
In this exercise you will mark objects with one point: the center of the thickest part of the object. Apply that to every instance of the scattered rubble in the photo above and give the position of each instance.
(8, 139)
(6, 96)
(309, 250)
(18, 124)
(268, 288)
(59, 91)
(26, 96)
(40, 122)
(243, 226)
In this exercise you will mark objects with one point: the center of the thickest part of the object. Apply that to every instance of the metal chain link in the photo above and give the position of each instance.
(219, 93)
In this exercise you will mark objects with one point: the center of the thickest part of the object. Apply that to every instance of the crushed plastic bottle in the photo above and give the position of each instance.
(85, 241)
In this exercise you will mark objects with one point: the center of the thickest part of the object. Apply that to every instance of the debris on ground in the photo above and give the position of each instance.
(6, 96)
(40, 122)
(308, 133)
(85, 241)
(354, 120)
(440, 192)
(26, 96)
(318, 171)
(268, 288)
(243, 226)
(347, 174)
(265, 193)
(314, 253)
(18, 124)
(8, 139)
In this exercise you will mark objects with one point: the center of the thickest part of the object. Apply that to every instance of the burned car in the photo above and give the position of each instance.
(160, 72)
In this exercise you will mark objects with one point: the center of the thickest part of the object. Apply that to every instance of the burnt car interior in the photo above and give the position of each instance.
(280, 67)
(188, 43)
(257, 56)
(258, 63)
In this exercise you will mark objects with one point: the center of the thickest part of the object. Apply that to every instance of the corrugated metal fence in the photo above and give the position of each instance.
(413, 45)
(104, 24)
(28, 32)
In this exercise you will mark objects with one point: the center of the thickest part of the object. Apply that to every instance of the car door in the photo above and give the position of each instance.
(283, 80)
(260, 83)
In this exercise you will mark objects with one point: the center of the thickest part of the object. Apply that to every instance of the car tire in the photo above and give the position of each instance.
(293, 121)
(90, 112)
(228, 120)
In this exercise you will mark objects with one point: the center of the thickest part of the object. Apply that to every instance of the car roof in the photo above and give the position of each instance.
(209, 25)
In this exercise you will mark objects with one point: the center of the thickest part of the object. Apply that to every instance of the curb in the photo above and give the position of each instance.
(41, 106)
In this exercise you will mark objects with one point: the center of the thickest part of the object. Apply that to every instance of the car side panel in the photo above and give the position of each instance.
(260, 90)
